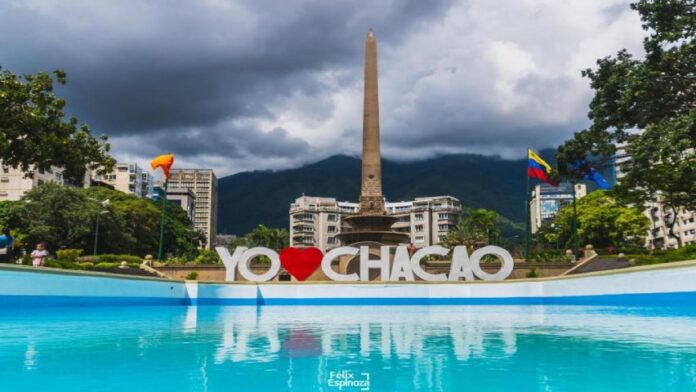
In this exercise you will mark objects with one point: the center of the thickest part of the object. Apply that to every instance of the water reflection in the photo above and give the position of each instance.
(263, 333)
(402, 347)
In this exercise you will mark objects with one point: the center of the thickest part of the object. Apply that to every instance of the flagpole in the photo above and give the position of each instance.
(526, 208)
(575, 226)
(164, 204)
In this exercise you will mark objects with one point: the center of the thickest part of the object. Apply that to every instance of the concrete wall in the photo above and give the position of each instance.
(28, 286)
(665, 284)
(216, 273)
(673, 284)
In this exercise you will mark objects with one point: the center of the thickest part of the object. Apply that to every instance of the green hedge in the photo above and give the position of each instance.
(551, 255)
(68, 254)
(109, 258)
(664, 256)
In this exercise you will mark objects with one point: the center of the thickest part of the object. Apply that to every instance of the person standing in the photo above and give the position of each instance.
(39, 255)
(6, 244)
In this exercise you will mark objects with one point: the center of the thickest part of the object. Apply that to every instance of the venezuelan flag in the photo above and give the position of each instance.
(538, 168)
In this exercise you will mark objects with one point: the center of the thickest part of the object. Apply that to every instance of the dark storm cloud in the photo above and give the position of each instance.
(233, 142)
(192, 63)
(266, 84)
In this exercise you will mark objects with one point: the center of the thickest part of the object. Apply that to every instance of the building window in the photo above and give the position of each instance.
(419, 228)
(419, 217)
(332, 217)
(331, 240)
(332, 229)
(443, 227)
(419, 238)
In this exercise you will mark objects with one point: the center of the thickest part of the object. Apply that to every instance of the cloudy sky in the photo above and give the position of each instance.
(268, 84)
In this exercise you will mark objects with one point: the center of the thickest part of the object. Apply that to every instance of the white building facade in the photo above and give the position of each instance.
(316, 221)
(14, 182)
(660, 217)
(127, 177)
(204, 185)
(547, 200)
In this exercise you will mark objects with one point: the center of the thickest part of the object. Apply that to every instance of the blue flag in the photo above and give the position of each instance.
(592, 174)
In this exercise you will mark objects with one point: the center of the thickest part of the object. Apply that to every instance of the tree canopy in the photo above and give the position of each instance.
(65, 217)
(264, 236)
(34, 134)
(602, 222)
(647, 106)
(478, 227)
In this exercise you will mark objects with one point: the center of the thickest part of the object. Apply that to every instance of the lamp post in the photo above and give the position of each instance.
(104, 204)
(164, 205)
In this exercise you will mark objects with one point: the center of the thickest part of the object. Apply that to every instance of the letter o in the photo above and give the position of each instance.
(243, 265)
(507, 263)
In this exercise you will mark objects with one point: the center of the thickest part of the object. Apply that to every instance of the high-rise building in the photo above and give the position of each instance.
(14, 182)
(547, 200)
(185, 198)
(147, 184)
(126, 177)
(658, 236)
(203, 183)
(317, 221)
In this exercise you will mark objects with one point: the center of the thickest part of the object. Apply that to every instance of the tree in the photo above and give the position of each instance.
(34, 134)
(65, 217)
(602, 222)
(275, 239)
(656, 95)
(479, 226)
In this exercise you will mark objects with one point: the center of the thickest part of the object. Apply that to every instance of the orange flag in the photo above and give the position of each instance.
(165, 162)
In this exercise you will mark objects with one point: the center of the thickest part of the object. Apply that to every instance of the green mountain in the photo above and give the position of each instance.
(251, 198)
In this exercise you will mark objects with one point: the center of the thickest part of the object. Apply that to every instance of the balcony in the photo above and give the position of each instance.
(303, 229)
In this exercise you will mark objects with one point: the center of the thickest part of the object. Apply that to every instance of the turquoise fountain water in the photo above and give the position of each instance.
(421, 348)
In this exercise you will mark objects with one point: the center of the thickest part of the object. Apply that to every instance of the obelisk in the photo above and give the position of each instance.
(371, 198)
(371, 225)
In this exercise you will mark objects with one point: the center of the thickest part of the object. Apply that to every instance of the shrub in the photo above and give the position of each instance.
(64, 264)
(87, 264)
(111, 258)
(532, 273)
(68, 254)
(684, 253)
(192, 276)
(52, 263)
(551, 255)
(177, 260)
(207, 257)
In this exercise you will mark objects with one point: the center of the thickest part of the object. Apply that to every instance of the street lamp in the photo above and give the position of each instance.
(104, 204)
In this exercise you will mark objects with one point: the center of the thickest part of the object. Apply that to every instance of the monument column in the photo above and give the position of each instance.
(371, 198)
(371, 225)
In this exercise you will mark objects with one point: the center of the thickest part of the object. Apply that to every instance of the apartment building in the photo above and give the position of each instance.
(316, 221)
(547, 200)
(14, 182)
(658, 235)
(147, 182)
(204, 185)
(127, 177)
(185, 198)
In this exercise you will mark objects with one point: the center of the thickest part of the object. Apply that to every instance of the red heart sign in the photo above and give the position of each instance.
(301, 263)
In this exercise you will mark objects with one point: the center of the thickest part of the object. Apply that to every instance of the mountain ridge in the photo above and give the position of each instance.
(250, 198)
